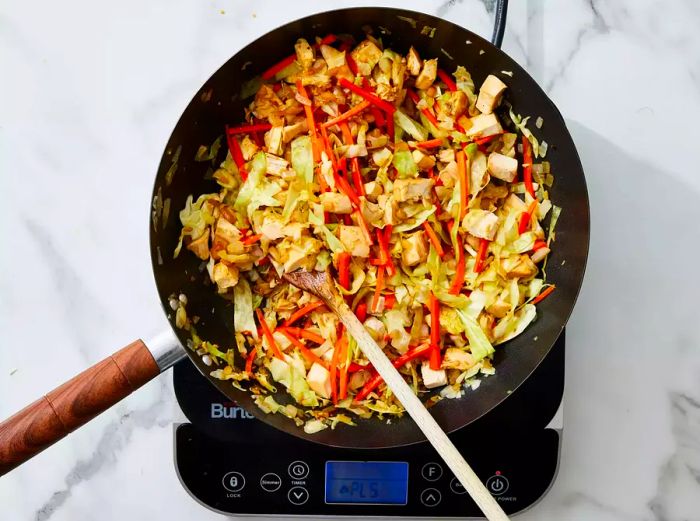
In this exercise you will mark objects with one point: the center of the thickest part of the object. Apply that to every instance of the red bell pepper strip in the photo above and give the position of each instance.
(268, 335)
(249, 361)
(372, 98)
(373, 383)
(278, 67)
(354, 111)
(389, 301)
(481, 255)
(351, 64)
(461, 269)
(251, 240)
(378, 289)
(463, 183)
(426, 111)
(344, 269)
(343, 355)
(303, 311)
(383, 237)
(334, 370)
(361, 311)
(286, 62)
(538, 245)
(447, 80)
(434, 306)
(248, 129)
(434, 239)
(543, 295)
(527, 168)
(526, 216)
(431, 143)
(237, 155)
(305, 351)
(487, 139)
(304, 333)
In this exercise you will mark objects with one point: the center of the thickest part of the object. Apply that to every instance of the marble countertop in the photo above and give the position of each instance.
(90, 92)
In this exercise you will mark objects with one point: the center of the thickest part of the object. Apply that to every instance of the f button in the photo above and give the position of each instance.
(431, 471)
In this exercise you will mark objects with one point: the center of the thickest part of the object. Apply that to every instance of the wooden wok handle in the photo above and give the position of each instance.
(74, 403)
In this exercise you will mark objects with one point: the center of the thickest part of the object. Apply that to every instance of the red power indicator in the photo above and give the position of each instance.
(498, 473)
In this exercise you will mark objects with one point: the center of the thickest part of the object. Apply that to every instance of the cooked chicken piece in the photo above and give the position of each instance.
(268, 105)
(375, 328)
(412, 189)
(291, 131)
(373, 213)
(456, 104)
(272, 228)
(499, 309)
(373, 189)
(200, 246)
(484, 125)
(523, 268)
(276, 165)
(319, 379)
(490, 94)
(414, 249)
(366, 56)
(481, 223)
(457, 359)
(423, 160)
(445, 155)
(427, 76)
(353, 240)
(334, 58)
(335, 203)
(503, 167)
(248, 148)
(413, 62)
(387, 92)
(273, 140)
(305, 53)
(539, 255)
(432, 378)
(224, 276)
(449, 175)
(389, 205)
(225, 232)
(514, 203)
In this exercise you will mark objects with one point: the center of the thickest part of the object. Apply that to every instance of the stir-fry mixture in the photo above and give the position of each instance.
(417, 191)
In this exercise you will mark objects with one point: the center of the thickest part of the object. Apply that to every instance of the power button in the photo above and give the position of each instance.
(497, 484)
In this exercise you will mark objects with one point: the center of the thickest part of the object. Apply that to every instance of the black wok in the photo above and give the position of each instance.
(218, 103)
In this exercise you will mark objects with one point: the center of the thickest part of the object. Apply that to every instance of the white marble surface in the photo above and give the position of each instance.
(89, 94)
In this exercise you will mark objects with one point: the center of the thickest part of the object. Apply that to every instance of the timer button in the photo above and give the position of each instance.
(298, 470)
(298, 495)
(431, 471)
(234, 481)
(497, 484)
(430, 497)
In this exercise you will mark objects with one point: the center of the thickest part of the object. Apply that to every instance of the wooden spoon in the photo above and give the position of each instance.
(321, 284)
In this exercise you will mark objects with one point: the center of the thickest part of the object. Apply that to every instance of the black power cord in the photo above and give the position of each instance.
(499, 23)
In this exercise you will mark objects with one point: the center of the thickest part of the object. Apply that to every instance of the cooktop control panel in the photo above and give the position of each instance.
(236, 464)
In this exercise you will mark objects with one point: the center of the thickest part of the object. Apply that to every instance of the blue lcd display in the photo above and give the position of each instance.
(369, 482)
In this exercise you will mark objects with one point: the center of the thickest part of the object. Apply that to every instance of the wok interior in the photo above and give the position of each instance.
(218, 103)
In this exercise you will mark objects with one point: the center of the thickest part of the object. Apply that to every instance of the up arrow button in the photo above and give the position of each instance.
(430, 497)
